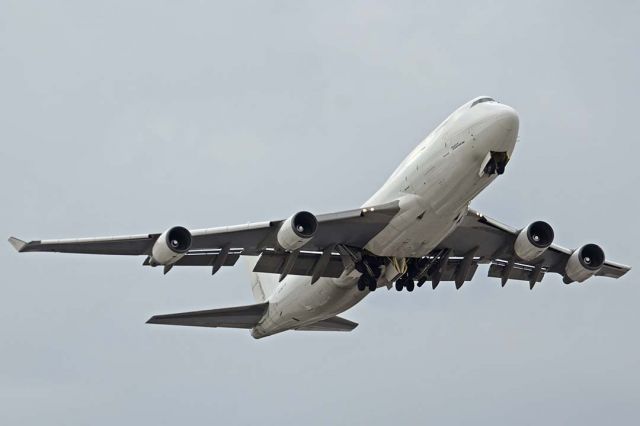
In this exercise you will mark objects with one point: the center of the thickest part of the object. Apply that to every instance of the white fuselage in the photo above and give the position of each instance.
(434, 185)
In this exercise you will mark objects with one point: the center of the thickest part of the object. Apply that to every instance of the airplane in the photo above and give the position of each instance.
(418, 227)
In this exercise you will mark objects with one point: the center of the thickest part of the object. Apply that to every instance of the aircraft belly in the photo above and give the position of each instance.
(443, 190)
(433, 187)
(297, 303)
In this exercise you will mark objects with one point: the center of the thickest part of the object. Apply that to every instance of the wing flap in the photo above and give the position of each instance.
(272, 262)
(518, 272)
(236, 317)
(201, 259)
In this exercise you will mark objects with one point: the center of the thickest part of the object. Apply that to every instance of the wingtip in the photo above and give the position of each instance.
(17, 244)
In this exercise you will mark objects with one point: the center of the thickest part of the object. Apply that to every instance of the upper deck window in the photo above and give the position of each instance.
(481, 100)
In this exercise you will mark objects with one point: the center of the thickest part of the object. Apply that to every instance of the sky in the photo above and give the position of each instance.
(128, 117)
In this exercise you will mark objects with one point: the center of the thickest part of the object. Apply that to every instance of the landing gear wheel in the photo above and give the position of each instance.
(376, 272)
(362, 284)
(500, 168)
(410, 285)
(399, 285)
(372, 284)
(490, 168)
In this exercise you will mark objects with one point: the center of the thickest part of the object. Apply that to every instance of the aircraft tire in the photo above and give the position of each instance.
(410, 285)
(362, 285)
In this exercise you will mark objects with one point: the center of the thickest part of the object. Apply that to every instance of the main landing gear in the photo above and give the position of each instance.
(367, 282)
(369, 267)
(405, 282)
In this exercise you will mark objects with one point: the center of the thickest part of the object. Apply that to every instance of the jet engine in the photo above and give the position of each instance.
(584, 263)
(533, 240)
(297, 231)
(170, 246)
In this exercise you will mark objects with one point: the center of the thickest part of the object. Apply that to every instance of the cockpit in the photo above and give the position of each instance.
(481, 100)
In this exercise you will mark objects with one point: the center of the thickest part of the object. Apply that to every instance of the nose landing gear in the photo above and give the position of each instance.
(496, 163)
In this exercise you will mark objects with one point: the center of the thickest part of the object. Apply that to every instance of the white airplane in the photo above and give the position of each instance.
(418, 227)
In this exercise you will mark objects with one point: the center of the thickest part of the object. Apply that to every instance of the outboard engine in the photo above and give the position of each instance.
(170, 246)
(584, 263)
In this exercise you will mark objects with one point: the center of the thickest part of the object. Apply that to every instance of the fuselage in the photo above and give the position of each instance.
(433, 185)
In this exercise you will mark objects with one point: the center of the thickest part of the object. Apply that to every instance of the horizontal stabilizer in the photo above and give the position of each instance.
(330, 324)
(236, 317)
(17, 244)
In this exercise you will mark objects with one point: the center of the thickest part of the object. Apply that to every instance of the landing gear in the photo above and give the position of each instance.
(367, 282)
(372, 285)
(490, 168)
(497, 163)
(362, 285)
(405, 282)
(370, 265)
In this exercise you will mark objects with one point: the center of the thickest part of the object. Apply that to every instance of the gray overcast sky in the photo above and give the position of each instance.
(127, 117)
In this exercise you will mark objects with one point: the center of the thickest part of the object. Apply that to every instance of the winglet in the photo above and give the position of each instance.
(17, 244)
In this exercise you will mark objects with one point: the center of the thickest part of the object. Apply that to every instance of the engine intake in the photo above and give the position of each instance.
(584, 263)
(297, 230)
(170, 246)
(533, 240)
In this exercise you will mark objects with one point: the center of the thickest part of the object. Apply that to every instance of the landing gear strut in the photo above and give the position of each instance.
(497, 163)
(369, 267)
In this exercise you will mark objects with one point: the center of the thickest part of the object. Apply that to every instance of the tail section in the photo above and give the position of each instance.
(263, 285)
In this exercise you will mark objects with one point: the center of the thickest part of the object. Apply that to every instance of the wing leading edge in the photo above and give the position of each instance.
(216, 247)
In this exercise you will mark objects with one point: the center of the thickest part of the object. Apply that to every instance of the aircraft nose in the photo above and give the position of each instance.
(507, 118)
(501, 131)
(505, 127)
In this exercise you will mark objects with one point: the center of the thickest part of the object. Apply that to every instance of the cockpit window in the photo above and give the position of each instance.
(481, 100)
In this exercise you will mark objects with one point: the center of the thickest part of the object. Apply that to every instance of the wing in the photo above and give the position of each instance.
(222, 246)
(492, 242)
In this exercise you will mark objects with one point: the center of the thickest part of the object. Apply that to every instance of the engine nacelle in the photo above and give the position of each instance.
(297, 231)
(584, 263)
(170, 246)
(533, 240)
